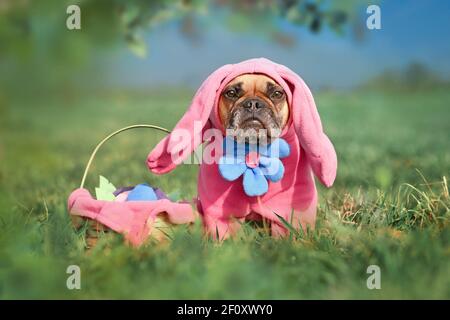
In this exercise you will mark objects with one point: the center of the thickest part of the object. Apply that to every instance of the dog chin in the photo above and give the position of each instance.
(257, 134)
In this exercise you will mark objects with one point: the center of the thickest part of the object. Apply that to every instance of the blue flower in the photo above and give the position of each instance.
(256, 163)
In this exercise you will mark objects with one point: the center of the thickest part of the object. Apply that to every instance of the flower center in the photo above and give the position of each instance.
(252, 159)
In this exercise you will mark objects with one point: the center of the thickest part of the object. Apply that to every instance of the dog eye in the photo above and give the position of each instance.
(231, 93)
(277, 95)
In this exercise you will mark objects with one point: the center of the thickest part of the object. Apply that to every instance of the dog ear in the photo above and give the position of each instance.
(188, 132)
(318, 147)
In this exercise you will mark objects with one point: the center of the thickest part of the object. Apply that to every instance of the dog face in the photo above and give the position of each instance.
(253, 108)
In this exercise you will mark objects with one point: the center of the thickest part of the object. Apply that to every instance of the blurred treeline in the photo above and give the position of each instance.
(40, 56)
(38, 52)
(413, 77)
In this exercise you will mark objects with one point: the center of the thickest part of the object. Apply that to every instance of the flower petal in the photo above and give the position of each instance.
(231, 168)
(229, 159)
(232, 148)
(272, 168)
(264, 161)
(255, 183)
(278, 149)
(228, 146)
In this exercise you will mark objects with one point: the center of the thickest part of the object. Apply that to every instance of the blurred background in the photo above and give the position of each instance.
(383, 96)
(144, 44)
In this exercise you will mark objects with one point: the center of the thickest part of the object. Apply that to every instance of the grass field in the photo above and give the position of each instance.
(389, 206)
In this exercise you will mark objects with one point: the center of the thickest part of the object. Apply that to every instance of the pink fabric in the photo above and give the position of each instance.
(221, 202)
(132, 218)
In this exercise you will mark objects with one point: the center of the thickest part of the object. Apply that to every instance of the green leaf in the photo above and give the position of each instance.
(137, 45)
(105, 190)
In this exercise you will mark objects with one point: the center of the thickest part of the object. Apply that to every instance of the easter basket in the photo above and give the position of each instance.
(137, 212)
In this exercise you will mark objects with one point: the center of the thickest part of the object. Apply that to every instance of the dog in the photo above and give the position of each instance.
(253, 106)
(254, 100)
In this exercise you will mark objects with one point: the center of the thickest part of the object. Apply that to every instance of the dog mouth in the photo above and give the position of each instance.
(254, 129)
(253, 123)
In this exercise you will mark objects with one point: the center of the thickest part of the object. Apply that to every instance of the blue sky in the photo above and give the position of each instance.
(411, 31)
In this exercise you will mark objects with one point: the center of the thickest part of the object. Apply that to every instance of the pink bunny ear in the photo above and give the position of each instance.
(188, 132)
(307, 124)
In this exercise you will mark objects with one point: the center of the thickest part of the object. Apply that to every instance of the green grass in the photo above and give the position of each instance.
(389, 206)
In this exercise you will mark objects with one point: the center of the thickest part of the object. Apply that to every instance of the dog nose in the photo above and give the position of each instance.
(253, 104)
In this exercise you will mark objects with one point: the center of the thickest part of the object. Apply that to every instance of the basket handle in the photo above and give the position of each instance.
(86, 170)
